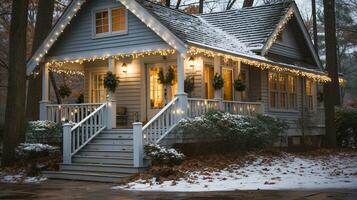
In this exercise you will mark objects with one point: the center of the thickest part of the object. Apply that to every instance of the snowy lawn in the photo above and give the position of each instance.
(286, 171)
(19, 177)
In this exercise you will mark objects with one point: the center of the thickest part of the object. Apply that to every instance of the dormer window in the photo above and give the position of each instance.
(110, 21)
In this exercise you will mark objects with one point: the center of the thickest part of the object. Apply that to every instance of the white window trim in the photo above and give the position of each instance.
(110, 33)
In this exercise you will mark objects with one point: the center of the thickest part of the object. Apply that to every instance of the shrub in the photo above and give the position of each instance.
(163, 156)
(346, 127)
(44, 132)
(111, 82)
(32, 155)
(237, 131)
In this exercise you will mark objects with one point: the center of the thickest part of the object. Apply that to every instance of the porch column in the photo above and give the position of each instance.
(238, 95)
(45, 91)
(218, 70)
(181, 83)
(111, 110)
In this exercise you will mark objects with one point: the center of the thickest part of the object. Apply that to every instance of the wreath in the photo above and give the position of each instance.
(111, 82)
(168, 78)
(189, 84)
(239, 85)
(218, 82)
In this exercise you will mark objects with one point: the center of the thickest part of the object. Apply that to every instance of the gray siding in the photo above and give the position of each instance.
(254, 84)
(77, 37)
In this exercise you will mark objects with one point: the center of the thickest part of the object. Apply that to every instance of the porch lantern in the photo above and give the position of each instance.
(124, 68)
(191, 63)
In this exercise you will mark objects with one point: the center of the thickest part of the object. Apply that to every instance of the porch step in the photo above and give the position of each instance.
(88, 176)
(108, 147)
(103, 160)
(116, 141)
(121, 169)
(111, 153)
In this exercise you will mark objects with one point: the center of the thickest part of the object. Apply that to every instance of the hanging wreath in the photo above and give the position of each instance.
(111, 82)
(64, 91)
(239, 85)
(218, 82)
(189, 84)
(168, 78)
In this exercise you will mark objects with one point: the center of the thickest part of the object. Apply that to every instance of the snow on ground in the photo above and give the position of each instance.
(288, 172)
(20, 178)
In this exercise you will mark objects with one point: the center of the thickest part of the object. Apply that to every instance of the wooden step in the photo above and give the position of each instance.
(103, 160)
(125, 142)
(118, 131)
(108, 147)
(122, 169)
(87, 176)
(110, 153)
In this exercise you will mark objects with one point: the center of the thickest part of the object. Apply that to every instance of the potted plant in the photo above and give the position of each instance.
(218, 82)
(111, 82)
(167, 80)
(189, 84)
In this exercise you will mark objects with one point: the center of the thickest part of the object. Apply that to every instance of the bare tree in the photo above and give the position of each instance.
(42, 28)
(248, 3)
(15, 105)
(168, 3)
(331, 89)
(314, 24)
(178, 3)
(200, 6)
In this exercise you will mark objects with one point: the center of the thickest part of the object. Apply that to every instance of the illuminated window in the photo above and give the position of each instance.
(98, 92)
(116, 23)
(309, 94)
(208, 76)
(228, 84)
(283, 91)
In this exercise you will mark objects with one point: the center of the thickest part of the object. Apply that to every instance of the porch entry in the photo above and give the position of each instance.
(227, 75)
(98, 94)
(158, 95)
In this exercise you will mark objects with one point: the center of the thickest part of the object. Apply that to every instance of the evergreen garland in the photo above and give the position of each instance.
(168, 78)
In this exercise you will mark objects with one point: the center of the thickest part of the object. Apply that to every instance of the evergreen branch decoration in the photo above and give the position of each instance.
(64, 91)
(168, 78)
(218, 82)
(239, 85)
(111, 82)
(189, 84)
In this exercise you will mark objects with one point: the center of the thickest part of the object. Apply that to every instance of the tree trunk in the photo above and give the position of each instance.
(200, 6)
(178, 3)
(42, 28)
(168, 3)
(314, 25)
(16, 95)
(248, 3)
(331, 89)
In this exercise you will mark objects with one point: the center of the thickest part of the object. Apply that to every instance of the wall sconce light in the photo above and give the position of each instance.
(124, 68)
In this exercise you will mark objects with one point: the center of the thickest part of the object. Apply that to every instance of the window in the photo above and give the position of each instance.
(283, 91)
(309, 94)
(156, 89)
(110, 21)
(208, 76)
(98, 93)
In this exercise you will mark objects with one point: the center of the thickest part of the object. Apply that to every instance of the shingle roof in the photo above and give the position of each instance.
(194, 29)
(252, 25)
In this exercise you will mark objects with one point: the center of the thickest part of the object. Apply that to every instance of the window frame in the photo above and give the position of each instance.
(110, 22)
(309, 99)
(278, 93)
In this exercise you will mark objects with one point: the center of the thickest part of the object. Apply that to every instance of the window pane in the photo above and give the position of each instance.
(101, 22)
(118, 19)
(156, 89)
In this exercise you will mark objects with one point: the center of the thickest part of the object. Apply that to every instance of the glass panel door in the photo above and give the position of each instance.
(208, 78)
(98, 92)
(228, 84)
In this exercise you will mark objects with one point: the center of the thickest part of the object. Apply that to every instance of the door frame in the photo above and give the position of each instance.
(232, 77)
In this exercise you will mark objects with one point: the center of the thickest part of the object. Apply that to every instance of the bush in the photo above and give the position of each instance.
(34, 155)
(236, 131)
(44, 132)
(346, 127)
(163, 156)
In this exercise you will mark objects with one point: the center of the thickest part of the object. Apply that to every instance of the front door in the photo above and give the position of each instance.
(208, 79)
(158, 94)
(228, 84)
(98, 93)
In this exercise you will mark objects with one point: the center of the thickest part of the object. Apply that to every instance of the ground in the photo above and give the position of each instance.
(54, 189)
(283, 171)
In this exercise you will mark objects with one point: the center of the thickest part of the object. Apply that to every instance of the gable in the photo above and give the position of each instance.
(292, 47)
(78, 38)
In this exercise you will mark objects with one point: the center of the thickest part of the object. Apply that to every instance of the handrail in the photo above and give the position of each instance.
(163, 122)
(160, 113)
(78, 136)
(73, 104)
(61, 113)
(243, 102)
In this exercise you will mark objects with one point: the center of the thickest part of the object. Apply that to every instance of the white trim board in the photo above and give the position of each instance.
(132, 5)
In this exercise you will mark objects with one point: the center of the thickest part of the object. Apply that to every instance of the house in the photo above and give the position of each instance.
(266, 47)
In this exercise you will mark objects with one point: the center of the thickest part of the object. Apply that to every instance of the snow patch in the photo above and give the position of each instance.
(289, 172)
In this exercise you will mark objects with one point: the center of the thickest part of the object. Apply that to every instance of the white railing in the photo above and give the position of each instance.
(243, 108)
(69, 112)
(76, 137)
(163, 122)
(198, 107)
